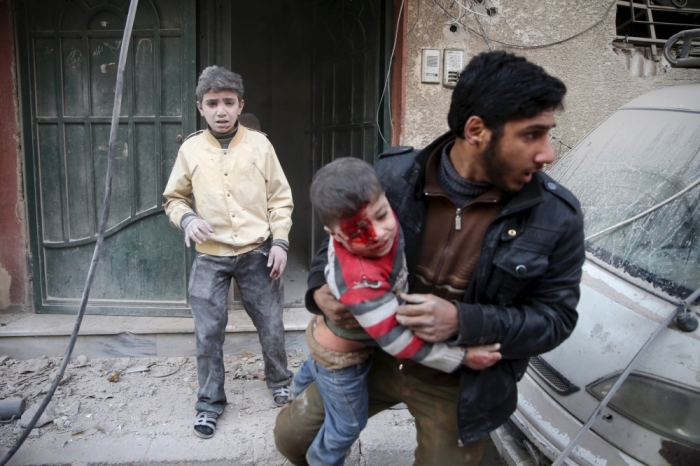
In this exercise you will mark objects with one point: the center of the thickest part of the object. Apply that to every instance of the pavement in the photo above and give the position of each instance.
(144, 417)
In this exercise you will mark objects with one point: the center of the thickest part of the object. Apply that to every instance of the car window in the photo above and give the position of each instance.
(631, 162)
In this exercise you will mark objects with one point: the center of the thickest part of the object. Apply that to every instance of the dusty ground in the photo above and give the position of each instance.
(145, 416)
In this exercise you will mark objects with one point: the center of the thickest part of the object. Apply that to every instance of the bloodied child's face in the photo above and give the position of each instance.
(370, 232)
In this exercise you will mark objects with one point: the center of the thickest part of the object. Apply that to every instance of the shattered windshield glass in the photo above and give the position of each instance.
(633, 161)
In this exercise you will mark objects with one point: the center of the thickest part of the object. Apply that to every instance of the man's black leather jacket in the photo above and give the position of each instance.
(523, 293)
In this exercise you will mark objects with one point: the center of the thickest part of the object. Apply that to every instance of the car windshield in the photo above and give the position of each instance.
(633, 161)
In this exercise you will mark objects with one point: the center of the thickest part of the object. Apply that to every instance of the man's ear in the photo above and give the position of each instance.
(241, 107)
(475, 131)
(199, 107)
(328, 230)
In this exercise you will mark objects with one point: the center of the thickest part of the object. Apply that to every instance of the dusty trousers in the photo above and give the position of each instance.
(262, 298)
(433, 407)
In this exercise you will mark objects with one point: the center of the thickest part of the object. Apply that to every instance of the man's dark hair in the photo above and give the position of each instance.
(217, 79)
(341, 188)
(500, 87)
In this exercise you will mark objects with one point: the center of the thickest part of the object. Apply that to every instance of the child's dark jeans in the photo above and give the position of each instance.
(262, 298)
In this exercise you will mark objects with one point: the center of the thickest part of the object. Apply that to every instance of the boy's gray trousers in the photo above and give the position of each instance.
(262, 298)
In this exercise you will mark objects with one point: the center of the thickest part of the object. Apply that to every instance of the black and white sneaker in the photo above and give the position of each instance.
(280, 395)
(205, 424)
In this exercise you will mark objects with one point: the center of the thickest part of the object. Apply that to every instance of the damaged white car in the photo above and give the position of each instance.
(637, 176)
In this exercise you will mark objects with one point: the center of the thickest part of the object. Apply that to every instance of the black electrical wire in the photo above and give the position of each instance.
(516, 46)
(484, 36)
(100, 236)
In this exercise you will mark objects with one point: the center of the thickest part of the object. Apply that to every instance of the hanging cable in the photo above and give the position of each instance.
(523, 46)
(100, 236)
(517, 46)
(388, 75)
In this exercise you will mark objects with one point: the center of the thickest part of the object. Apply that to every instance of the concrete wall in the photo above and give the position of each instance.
(599, 78)
(13, 237)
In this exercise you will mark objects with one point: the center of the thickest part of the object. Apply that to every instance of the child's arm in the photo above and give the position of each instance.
(363, 287)
(378, 317)
(178, 191)
(179, 204)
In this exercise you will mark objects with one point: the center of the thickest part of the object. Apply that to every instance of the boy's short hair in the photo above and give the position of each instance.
(217, 79)
(343, 187)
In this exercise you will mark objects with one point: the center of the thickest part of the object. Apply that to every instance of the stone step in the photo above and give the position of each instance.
(28, 336)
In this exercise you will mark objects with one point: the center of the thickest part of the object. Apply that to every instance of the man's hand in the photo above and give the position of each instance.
(479, 358)
(334, 309)
(431, 318)
(277, 259)
(198, 230)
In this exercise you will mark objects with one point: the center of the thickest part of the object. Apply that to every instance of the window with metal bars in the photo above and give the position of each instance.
(649, 23)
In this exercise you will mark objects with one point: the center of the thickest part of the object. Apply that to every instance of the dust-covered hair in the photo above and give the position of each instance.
(217, 79)
(341, 188)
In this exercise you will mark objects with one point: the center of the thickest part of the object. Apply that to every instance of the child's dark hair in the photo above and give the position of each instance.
(217, 79)
(342, 188)
(500, 87)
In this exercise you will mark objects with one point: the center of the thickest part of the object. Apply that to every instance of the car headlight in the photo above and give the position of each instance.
(664, 407)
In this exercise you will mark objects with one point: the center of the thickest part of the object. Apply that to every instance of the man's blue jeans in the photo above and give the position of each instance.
(345, 398)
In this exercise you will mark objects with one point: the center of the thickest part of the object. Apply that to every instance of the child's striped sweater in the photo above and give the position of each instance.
(369, 288)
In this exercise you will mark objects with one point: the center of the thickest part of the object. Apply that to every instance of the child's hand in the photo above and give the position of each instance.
(198, 230)
(479, 358)
(277, 259)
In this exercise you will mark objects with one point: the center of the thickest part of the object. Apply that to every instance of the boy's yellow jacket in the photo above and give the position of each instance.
(241, 191)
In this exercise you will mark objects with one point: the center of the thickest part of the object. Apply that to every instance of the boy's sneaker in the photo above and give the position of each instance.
(280, 395)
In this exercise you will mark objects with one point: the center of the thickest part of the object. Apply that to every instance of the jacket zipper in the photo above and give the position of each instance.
(457, 226)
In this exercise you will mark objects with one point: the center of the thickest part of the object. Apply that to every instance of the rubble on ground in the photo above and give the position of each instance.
(147, 396)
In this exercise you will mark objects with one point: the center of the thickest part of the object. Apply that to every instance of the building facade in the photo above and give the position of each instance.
(325, 78)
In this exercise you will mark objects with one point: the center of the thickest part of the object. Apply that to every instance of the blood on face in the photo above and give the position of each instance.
(358, 229)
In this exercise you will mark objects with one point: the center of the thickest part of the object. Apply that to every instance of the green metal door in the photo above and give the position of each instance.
(68, 55)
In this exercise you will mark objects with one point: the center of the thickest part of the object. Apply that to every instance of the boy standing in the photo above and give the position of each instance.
(366, 272)
(241, 227)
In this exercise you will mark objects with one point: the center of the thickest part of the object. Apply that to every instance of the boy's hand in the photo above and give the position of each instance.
(198, 230)
(479, 358)
(334, 309)
(277, 259)
(431, 318)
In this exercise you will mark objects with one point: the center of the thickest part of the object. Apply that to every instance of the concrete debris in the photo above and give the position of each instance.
(85, 430)
(114, 376)
(3, 359)
(46, 417)
(147, 416)
(34, 365)
(66, 377)
(72, 409)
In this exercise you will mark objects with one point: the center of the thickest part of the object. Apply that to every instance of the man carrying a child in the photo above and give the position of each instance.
(494, 250)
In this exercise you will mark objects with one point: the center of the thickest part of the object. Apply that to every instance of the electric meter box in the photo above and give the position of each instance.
(430, 66)
(453, 63)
